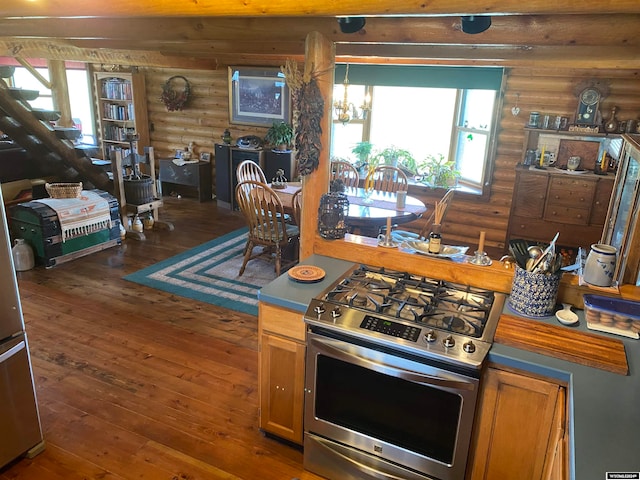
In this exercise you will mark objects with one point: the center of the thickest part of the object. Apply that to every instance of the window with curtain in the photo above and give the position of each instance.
(432, 112)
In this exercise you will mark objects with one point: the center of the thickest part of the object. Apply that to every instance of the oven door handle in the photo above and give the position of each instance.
(422, 378)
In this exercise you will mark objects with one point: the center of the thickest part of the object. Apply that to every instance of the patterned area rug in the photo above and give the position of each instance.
(209, 273)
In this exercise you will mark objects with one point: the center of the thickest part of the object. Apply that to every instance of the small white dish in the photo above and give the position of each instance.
(566, 316)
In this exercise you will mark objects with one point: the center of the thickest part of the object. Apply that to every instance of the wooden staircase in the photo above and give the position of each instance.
(52, 148)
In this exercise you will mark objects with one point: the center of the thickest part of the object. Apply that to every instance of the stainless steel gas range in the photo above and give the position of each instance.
(392, 373)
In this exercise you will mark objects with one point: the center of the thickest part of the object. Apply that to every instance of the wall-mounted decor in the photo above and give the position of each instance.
(258, 96)
(175, 93)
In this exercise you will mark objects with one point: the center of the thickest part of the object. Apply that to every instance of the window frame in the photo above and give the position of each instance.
(477, 191)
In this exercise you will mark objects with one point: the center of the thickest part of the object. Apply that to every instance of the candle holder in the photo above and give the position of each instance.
(480, 258)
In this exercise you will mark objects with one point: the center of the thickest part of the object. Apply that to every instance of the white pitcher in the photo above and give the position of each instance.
(600, 265)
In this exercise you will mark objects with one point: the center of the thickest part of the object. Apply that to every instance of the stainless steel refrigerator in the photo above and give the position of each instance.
(20, 431)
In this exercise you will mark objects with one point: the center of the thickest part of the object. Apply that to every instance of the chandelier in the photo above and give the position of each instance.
(345, 110)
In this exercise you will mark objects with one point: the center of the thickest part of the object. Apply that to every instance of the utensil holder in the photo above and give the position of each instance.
(534, 294)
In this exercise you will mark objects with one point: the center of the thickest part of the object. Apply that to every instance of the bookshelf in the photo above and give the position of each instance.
(121, 105)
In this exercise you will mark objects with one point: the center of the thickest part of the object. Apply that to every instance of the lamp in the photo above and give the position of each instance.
(346, 110)
(475, 24)
(351, 24)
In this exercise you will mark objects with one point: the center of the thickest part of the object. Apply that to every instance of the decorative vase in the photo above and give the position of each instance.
(612, 123)
(22, 253)
(148, 222)
(600, 265)
(136, 225)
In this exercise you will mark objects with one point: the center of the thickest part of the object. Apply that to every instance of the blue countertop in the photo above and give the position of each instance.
(604, 407)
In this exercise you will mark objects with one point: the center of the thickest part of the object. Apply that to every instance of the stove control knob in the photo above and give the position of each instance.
(430, 336)
(449, 342)
(335, 313)
(319, 309)
(469, 347)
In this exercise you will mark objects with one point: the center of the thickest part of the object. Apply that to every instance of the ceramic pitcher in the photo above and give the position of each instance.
(600, 265)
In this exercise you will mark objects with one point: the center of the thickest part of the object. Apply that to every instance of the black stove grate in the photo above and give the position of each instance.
(435, 303)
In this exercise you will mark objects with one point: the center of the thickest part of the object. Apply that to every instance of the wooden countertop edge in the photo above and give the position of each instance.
(584, 348)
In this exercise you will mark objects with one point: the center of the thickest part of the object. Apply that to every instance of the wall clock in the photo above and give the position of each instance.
(588, 106)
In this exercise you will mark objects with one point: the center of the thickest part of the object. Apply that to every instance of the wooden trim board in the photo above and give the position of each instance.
(583, 348)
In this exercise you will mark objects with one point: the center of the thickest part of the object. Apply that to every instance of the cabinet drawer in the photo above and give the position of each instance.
(282, 321)
(543, 231)
(575, 193)
(562, 214)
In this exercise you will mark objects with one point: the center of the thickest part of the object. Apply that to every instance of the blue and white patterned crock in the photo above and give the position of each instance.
(534, 294)
(600, 265)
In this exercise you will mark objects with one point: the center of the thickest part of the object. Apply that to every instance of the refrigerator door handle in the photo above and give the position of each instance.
(12, 351)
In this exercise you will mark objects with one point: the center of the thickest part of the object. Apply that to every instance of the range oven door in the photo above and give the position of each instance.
(375, 414)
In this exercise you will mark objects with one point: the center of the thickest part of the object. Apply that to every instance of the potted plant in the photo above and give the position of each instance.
(362, 150)
(438, 171)
(279, 135)
(396, 157)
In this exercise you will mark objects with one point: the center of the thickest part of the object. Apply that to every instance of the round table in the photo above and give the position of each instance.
(367, 215)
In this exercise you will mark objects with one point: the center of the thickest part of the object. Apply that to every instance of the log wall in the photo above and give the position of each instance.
(536, 89)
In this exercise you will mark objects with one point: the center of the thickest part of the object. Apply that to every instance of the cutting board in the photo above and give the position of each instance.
(556, 341)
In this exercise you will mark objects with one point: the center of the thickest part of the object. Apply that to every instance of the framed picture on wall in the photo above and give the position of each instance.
(258, 96)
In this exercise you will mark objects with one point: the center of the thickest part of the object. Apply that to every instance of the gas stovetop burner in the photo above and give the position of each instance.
(456, 308)
(431, 318)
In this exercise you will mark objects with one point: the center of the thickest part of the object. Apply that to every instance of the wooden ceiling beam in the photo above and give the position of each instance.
(199, 48)
(262, 8)
(58, 50)
(614, 30)
(627, 58)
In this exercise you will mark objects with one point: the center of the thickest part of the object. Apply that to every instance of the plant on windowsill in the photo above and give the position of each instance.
(396, 157)
(362, 150)
(279, 135)
(438, 172)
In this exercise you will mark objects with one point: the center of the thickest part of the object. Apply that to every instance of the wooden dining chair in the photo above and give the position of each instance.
(389, 179)
(346, 172)
(250, 170)
(264, 216)
(296, 202)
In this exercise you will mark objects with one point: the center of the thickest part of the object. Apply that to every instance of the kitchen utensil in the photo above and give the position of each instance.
(550, 250)
(566, 316)
(534, 251)
(518, 249)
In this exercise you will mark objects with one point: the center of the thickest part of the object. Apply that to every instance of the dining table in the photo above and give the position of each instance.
(368, 213)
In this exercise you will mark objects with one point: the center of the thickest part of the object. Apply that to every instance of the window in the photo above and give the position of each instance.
(448, 117)
(79, 96)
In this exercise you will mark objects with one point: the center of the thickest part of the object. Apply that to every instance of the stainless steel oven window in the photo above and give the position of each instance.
(415, 417)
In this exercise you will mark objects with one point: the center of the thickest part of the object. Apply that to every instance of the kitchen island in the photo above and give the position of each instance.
(603, 407)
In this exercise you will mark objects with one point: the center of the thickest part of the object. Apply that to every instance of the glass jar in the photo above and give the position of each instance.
(22, 253)
(435, 239)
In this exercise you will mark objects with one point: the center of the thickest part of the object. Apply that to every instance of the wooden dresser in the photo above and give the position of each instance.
(549, 201)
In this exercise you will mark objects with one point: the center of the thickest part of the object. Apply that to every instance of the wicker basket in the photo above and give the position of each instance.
(63, 190)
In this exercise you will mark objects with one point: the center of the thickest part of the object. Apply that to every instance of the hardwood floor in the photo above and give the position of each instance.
(135, 383)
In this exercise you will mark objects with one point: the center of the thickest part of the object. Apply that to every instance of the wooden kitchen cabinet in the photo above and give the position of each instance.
(546, 202)
(520, 429)
(281, 339)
